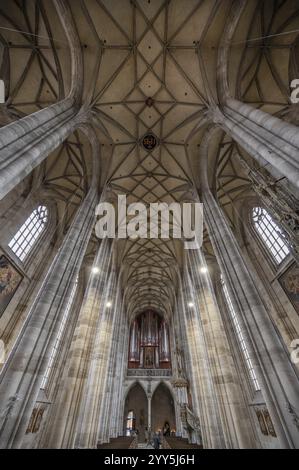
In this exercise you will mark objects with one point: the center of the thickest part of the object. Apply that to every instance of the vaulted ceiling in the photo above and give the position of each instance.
(149, 66)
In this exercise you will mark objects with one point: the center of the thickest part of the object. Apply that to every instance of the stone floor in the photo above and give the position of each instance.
(144, 445)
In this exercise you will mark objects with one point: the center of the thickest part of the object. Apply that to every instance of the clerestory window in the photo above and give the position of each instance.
(27, 235)
(270, 234)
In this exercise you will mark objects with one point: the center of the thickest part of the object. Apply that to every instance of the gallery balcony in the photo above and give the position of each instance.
(149, 373)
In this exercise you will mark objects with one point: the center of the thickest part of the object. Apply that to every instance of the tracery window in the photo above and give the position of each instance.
(130, 426)
(59, 334)
(270, 233)
(25, 238)
(240, 336)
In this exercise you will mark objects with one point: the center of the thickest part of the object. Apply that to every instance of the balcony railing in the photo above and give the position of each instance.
(149, 373)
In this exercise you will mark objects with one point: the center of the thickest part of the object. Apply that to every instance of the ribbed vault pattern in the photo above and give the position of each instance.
(149, 65)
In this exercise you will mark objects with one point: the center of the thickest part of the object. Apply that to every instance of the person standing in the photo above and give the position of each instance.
(156, 441)
(146, 433)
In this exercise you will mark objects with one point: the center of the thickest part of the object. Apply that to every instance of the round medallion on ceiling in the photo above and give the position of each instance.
(149, 141)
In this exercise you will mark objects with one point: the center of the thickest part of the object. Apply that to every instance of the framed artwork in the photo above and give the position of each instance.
(269, 423)
(261, 421)
(35, 420)
(290, 283)
(10, 279)
(31, 422)
(265, 422)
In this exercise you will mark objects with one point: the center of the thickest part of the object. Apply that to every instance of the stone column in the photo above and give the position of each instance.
(25, 143)
(91, 422)
(124, 367)
(203, 389)
(23, 372)
(183, 297)
(118, 368)
(180, 390)
(273, 142)
(234, 414)
(114, 374)
(178, 363)
(61, 431)
(149, 413)
(276, 374)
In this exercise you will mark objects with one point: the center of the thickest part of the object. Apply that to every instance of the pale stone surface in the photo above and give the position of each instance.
(106, 87)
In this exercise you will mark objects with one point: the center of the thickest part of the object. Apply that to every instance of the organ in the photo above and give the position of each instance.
(149, 342)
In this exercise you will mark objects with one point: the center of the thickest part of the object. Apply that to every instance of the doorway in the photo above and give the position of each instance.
(135, 414)
(163, 413)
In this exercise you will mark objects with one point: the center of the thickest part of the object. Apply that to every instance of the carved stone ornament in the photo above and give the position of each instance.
(179, 382)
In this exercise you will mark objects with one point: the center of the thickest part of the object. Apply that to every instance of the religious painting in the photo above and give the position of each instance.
(149, 359)
(261, 421)
(31, 422)
(290, 283)
(269, 423)
(35, 420)
(10, 279)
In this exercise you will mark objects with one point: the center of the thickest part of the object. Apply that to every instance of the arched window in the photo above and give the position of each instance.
(130, 426)
(25, 238)
(270, 233)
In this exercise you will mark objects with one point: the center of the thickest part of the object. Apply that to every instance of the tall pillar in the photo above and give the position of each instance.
(178, 363)
(149, 413)
(117, 369)
(62, 427)
(276, 374)
(273, 142)
(114, 374)
(123, 370)
(184, 297)
(91, 420)
(203, 389)
(23, 372)
(234, 414)
(120, 405)
(25, 143)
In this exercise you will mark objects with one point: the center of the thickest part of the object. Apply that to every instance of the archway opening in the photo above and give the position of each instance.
(136, 406)
(163, 412)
